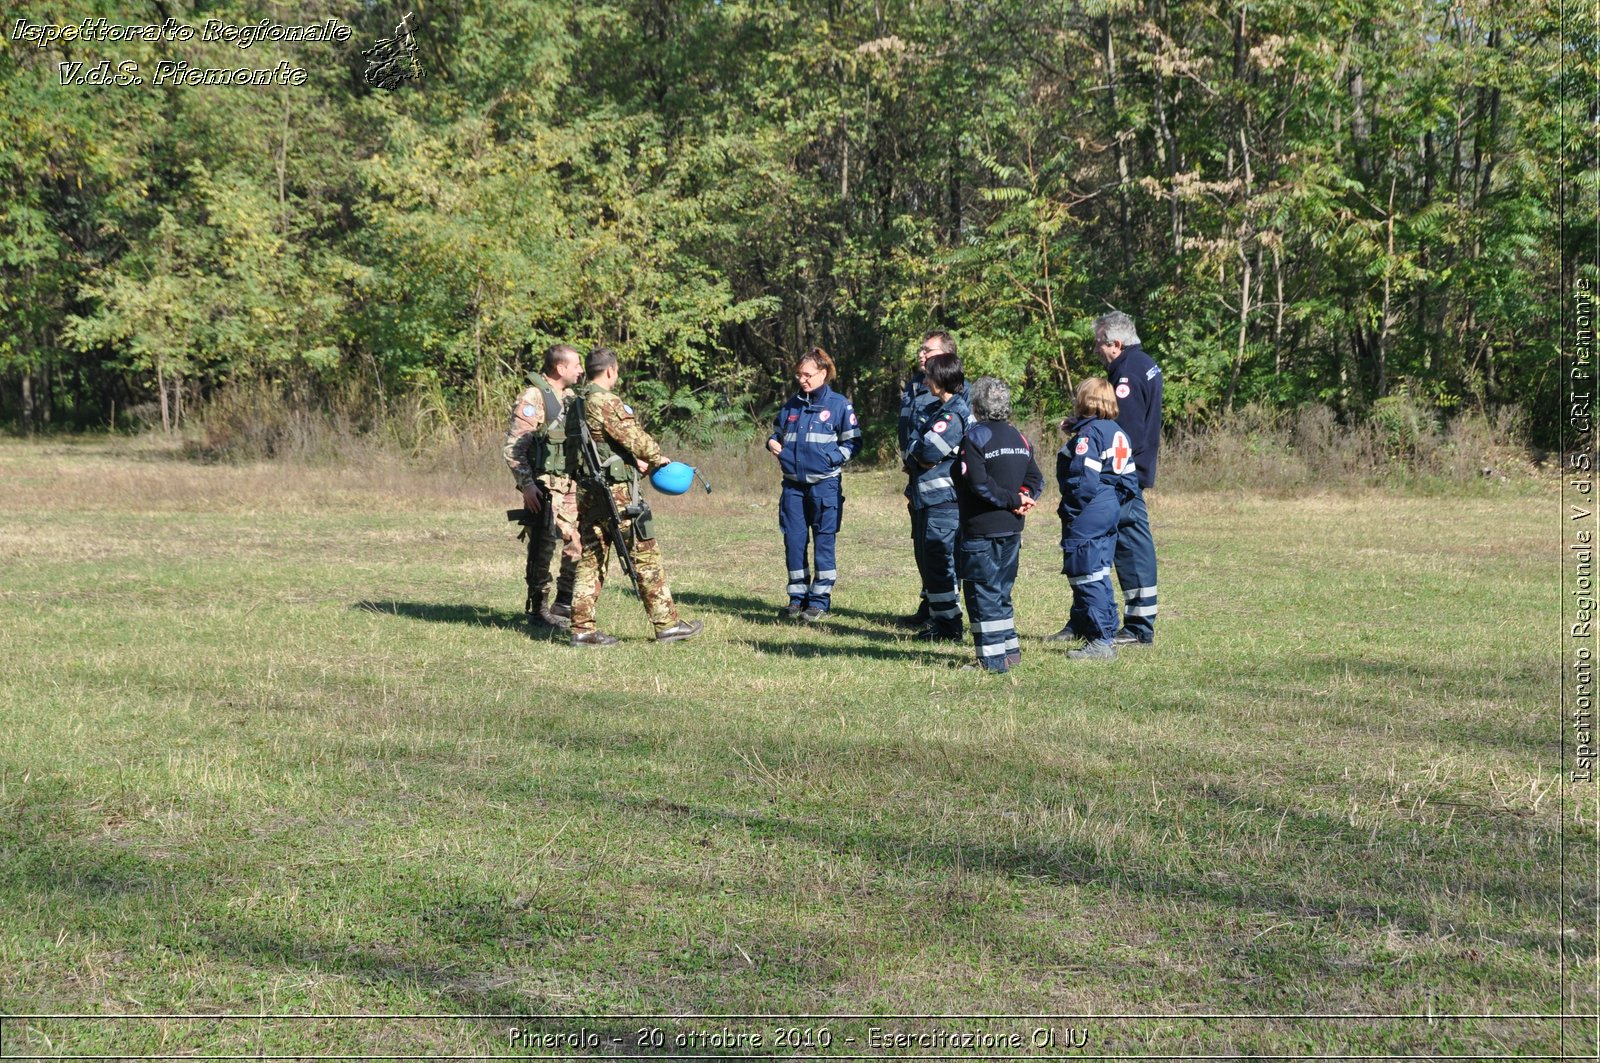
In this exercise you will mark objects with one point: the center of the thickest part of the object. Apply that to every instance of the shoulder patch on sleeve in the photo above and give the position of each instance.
(627, 409)
(1082, 447)
(940, 425)
(1153, 372)
(1123, 390)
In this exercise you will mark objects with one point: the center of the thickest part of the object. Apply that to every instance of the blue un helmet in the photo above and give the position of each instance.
(673, 478)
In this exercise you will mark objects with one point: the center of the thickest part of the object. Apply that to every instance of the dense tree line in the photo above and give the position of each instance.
(1301, 201)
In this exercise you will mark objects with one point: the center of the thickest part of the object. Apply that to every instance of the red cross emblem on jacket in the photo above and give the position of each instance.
(1120, 453)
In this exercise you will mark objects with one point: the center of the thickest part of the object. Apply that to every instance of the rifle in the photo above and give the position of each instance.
(592, 472)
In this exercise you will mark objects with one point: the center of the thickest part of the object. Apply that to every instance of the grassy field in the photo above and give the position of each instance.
(277, 743)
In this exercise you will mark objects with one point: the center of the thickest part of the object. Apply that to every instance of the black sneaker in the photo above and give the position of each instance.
(1066, 634)
(791, 611)
(1128, 638)
(812, 613)
(933, 633)
(918, 619)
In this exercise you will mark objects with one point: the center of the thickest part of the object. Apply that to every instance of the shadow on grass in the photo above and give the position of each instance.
(806, 650)
(756, 611)
(435, 612)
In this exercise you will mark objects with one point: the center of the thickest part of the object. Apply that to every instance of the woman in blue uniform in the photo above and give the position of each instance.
(1096, 473)
(815, 434)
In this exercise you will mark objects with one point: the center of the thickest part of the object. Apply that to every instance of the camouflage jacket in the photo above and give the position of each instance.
(615, 427)
(527, 418)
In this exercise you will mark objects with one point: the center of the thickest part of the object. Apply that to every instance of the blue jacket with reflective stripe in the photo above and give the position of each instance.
(935, 438)
(915, 398)
(818, 432)
(1136, 379)
(1095, 471)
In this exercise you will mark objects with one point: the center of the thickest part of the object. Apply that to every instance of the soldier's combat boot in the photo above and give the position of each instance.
(538, 613)
(548, 617)
(594, 638)
(683, 629)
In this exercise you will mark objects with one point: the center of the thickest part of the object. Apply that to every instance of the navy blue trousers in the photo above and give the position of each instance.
(1087, 565)
(988, 570)
(809, 515)
(1136, 568)
(933, 535)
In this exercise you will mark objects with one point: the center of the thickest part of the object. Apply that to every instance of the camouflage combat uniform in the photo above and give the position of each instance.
(619, 439)
(537, 454)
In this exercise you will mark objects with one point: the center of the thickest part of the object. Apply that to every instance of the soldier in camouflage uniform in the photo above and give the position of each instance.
(626, 450)
(536, 449)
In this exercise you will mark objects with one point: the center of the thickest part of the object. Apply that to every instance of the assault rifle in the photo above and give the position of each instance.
(592, 473)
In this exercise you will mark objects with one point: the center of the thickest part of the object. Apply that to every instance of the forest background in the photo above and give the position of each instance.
(1347, 206)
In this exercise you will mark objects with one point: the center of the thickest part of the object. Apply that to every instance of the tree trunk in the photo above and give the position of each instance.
(1386, 321)
(27, 401)
(161, 390)
(1123, 239)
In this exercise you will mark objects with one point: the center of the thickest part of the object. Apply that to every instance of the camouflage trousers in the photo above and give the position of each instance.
(591, 574)
(557, 531)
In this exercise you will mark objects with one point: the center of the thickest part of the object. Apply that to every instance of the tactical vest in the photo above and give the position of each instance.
(617, 470)
(547, 456)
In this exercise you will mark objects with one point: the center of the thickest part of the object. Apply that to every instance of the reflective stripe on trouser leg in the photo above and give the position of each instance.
(939, 565)
(824, 510)
(796, 535)
(1086, 564)
(1136, 567)
(988, 569)
(919, 521)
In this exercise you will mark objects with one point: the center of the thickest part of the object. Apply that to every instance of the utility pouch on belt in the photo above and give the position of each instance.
(644, 523)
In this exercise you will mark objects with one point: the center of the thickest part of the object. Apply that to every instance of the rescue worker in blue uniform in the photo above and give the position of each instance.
(1097, 475)
(915, 399)
(997, 483)
(935, 516)
(1136, 382)
(815, 434)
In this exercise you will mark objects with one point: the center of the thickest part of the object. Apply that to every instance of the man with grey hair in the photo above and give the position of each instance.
(997, 483)
(1136, 380)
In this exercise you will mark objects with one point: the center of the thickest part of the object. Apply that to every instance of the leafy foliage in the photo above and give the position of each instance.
(1299, 202)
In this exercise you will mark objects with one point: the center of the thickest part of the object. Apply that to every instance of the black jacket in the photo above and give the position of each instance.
(994, 466)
